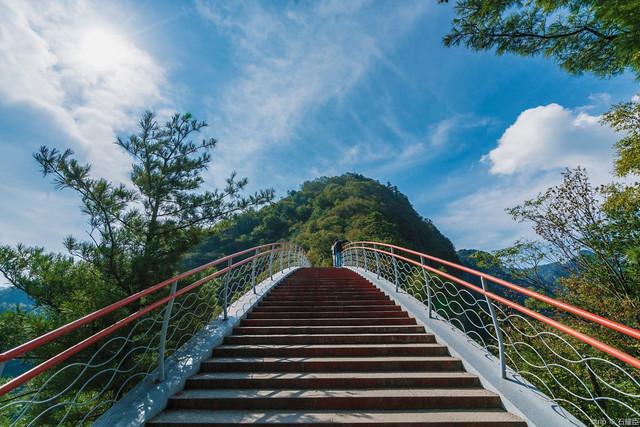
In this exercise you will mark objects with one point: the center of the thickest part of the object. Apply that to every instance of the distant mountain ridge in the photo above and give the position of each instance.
(12, 297)
(347, 207)
(547, 273)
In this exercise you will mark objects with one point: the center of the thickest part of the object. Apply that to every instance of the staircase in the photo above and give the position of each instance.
(327, 347)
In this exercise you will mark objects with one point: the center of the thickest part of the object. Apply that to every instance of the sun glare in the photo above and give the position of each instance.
(102, 49)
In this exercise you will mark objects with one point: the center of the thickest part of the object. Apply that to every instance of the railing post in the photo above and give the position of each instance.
(271, 262)
(375, 247)
(163, 334)
(364, 255)
(226, 289)
(427, 285)
(395, 270)
(494, 318)
(357, 258)
(281, 259)
(253, 271)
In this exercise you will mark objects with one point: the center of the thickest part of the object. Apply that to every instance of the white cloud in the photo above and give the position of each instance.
(479, 220)
(527, 160)
(65, 59)
(551, 137)
(292, 63)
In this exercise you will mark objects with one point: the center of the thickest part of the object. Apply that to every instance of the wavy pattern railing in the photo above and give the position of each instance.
(597, 382)
(77, 385)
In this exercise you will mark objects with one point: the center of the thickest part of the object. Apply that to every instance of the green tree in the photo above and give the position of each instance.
(138, 232)
(595, 36)
(593, 232)
(346, 207)
(625, 118)
(578, 232)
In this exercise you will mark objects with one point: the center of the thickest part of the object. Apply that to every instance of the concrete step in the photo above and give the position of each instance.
(326, 286)
(329, 322)
(333, 296)
(324, 303)
(354, 399)
(344, 330)
(315, 418)
(312, 380)
(330, 364)
(329, 339)
(326, 347)
(330, 350)
(331, 307)
(324, 314)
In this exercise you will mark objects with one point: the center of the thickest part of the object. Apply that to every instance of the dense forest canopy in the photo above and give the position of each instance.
(349, 207)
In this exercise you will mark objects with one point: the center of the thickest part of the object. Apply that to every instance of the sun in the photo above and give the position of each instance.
(102, 49)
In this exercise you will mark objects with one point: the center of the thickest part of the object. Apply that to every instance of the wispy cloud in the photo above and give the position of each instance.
(407, 149)
(293, 62)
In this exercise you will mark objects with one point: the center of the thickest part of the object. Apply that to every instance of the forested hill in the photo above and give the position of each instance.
(349, 207)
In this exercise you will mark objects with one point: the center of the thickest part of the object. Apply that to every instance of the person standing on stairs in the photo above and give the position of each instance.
(336, 249)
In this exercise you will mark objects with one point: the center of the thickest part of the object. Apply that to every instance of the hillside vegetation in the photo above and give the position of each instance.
(12, 298)
(542, 278)
(349, 207)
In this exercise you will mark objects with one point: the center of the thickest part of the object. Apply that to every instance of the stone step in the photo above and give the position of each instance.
(351, 330)
(360, 301)
(327, 347)
(310, 287)
(313, 380)
(327, 295)
(331, 308)
(324, 314)
(356, 280)
(326, 285)
(330, 364)
(315, 418)
(329, 339)
(329, 322)
(355, 399)
(330, 350)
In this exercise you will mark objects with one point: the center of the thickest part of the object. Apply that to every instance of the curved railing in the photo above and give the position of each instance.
(558, 348)
(123, 343)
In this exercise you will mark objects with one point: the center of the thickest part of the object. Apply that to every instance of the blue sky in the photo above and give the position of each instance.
(293, 90)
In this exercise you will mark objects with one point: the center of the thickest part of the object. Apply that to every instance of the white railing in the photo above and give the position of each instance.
(558, 348)
(94, 361)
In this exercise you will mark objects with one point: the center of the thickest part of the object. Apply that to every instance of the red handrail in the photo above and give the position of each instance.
(612, 351)
(69, 327)
(634, 333)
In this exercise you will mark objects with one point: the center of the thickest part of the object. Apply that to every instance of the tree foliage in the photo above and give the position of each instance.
(577, 229)
(348, 207)
(581, 35)
(137, 232)
(594, 232)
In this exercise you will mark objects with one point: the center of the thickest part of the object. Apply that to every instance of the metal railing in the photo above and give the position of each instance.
(558, 348)
(136, 336)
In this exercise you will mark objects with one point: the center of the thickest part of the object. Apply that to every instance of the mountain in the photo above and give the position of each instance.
(349, 207)
(547, 274)
(11, 297)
